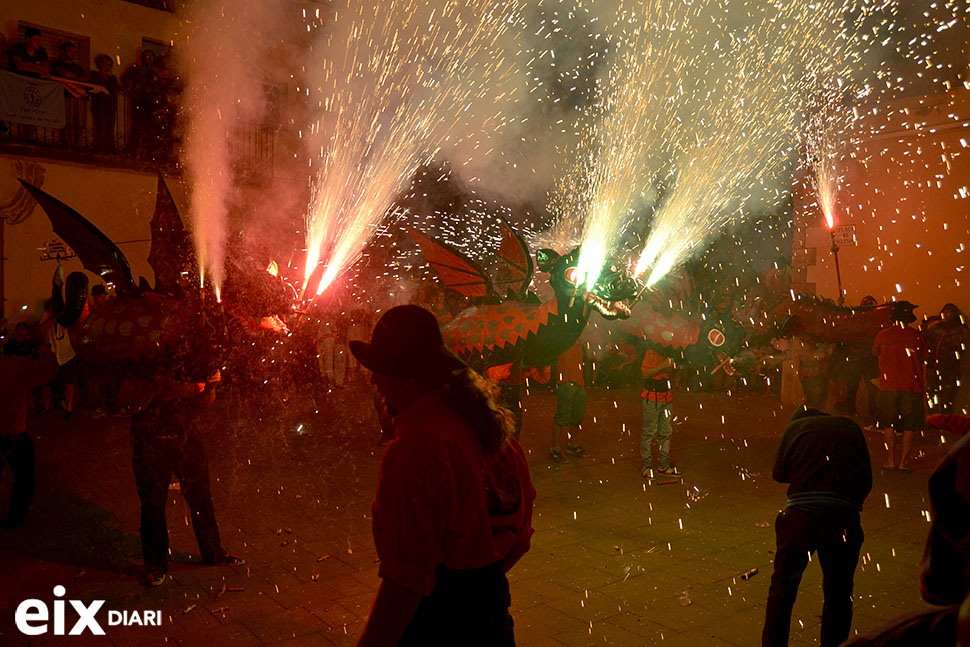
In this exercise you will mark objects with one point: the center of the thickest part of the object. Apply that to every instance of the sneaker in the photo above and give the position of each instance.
(556, 456)
(155, 578)
(669, 471)
(576, 450)
(225, 559)
(647, 472)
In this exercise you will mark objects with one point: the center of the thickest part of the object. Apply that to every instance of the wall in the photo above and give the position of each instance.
(906, 188)
(120, 203)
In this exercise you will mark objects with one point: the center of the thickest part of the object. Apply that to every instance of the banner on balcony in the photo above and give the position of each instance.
(26, 100)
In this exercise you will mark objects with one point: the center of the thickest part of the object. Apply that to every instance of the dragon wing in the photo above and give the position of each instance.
(456, 271)
(97, 253)
(514, 273)
(171, 249)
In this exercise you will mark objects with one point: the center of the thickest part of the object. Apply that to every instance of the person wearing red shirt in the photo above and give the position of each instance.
(657, 413)
(453, 511)
(901, 350)
(570, 404)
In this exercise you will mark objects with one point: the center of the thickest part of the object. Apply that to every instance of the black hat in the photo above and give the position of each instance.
(903, 312)
(407, 342)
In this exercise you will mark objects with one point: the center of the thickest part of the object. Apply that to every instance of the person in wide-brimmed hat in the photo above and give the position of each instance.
(902, 356)
(453, 511)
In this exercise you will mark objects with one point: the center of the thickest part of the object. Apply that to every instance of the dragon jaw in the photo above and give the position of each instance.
(609, 309)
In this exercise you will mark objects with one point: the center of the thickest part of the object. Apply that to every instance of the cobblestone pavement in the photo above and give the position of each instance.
(614, 561)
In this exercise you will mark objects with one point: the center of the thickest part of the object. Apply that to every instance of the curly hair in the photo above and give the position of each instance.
(477, 400)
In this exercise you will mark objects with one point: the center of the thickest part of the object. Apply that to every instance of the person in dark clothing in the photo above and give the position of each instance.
(862, 367)
(166, 439)
(141, 82)
(948, 340)
(826, 462)
(21, 345)
(104, 105)
(18, 375)
(453, 511)
(945, 567)
(29, 57)
(75, 108)
(66, 65)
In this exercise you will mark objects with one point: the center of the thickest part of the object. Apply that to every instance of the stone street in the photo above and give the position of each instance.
(614, 561)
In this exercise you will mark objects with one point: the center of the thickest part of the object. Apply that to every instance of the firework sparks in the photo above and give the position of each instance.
(696, 115)
(826, 127)
(611, 174)
(750, 131)
(398, 82)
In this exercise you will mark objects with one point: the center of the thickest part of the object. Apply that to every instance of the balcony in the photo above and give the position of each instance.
(147, 142)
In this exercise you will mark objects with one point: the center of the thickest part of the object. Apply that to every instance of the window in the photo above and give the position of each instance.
(51, 39)
(157, 47)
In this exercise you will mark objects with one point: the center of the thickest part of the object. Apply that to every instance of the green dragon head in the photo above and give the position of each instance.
(607, 295)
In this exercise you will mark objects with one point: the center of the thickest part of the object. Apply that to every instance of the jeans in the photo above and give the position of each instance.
(18, 451)
(656, 424)
(164, 443)
(837, 539)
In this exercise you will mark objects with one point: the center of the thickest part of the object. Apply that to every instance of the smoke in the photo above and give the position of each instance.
(220, 50)
(615, 115)
(396, 84)
(691, 115)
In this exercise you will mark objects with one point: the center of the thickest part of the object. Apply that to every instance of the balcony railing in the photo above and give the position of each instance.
(152, 139)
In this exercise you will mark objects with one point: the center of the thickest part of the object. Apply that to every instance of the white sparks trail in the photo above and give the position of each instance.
(748, 134)
(696, 117)
(825, 134)
(398, 82)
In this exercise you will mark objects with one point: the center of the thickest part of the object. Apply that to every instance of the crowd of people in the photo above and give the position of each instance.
(149, 85)
(444, 584)
(454, 498)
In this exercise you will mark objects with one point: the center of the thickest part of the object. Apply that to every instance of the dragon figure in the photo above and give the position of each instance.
(511, 338)
(822, 320)
(519, 331)
(143, 325)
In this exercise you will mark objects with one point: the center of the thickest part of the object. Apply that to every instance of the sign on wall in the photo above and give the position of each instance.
(844, 235)
(55, 250)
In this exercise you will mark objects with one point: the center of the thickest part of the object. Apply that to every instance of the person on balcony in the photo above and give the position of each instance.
(141, 82)
(28, 57)
(66, 66)
(104, 105)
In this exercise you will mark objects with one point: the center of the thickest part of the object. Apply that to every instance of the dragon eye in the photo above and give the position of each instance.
(572, 275)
